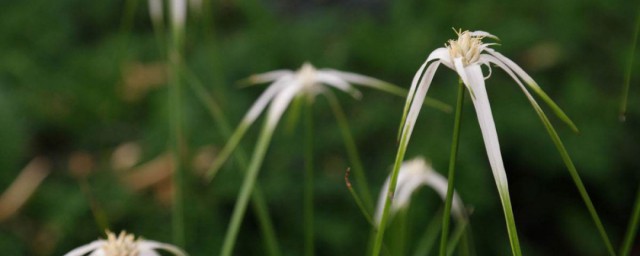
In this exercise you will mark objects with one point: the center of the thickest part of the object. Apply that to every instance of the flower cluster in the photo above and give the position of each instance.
(124, 244)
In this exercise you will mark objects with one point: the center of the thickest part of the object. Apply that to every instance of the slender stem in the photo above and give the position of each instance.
(402, 149)
(262, 212)
(465, 243)
(446, 216)
(632, 228)
(128, 15)
(430, 235)
(458, 233)
(308, 181)
(257, 198)
(176, 136)
(352, 150)
(401, 232)
(99, 216)
(627, 75)
(356, 198)
(246, 189)
(573, 172)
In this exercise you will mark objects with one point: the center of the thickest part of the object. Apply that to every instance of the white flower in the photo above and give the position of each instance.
(465, 56)
(414, 174)
(178, 13)
(287, 84)
(124, 245)
(155, 11)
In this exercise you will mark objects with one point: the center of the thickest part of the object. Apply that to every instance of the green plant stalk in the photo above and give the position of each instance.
(575, 177)
(430, 235)
(627, 75)
(632, 228)
(446, 216)
(402, 149)
(257, 198)
(294, 114)
(264, 220)
(465, 241)
(401, 232)
(247, 188)
(461, 229)
(158, 31)
(308, 180)
(99, 216)
(511, 222)
(176, 134)
(357, 199)
(127, 17)
(352, 150)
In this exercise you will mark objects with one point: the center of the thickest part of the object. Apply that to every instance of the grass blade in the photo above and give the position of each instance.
(176, 130)
(446, 216)
(257, 198)
(627, 75)
(308, 180)
(352, 150)
(632, 228)
(357, 199)
(428, 239)
(246, 189)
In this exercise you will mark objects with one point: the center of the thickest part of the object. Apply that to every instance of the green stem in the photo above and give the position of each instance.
(627, 75)
(260, 208)
(99, 216)
(632, 228)
(356, 198)
(127, 17)
(308, 181)
(446, 216)
(257, 198)
(511, 222)
(467, 240)
(176, 136)
(430, 235)
(576, 179)
(352, 150)
(458, 233)
(246, 189)
(401, 232)
(402, 149)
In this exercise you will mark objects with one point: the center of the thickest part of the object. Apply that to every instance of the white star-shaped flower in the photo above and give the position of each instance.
(285, 86)
(413, 175)
(465, 56)
(124, 245)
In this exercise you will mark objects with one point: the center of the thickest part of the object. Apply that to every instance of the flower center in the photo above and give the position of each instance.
(307, 74)
(122, 245)
(468, 47)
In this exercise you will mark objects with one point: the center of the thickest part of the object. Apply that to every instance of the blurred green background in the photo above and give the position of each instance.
(78, 79)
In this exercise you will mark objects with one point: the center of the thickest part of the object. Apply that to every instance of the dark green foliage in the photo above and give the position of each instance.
(62, 74)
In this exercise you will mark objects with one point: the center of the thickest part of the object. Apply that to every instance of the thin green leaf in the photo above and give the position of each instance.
(533, 85)
(246, 189)
(448, 202)
(565, 158)
(352, 149)
(632, 228)
(257, 197)
(627, 75)
(430, 235)
(308, 180)
(226, 151)
(357, 199)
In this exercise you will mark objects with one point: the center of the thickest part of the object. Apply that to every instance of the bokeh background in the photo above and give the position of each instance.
(84, 113)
